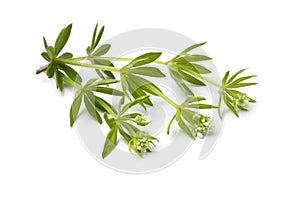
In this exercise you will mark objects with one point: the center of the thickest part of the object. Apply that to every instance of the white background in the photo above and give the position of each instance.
(258, 154)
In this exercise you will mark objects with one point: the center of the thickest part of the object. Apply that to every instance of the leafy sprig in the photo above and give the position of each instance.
(187, 70)
(235, 100)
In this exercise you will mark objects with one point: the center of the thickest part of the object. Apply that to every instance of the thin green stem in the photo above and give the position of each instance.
(203, 78)
(87, 65)
(72, 83)
(112, 58)
(167, 99)
(155, 62)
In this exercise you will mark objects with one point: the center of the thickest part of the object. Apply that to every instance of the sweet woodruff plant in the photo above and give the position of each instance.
(186, 69)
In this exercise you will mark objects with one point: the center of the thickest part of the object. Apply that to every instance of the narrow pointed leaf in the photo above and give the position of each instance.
(145, 59)
(110, 142)
(111, 91)
(227, 101)
(133, 103)
(224, 80)
(62, 39)
(98, 37)
(90, 107)
(190, 48)
(59, 81)
(66, 55)
(236, 74)
(191, 79)
(46, 56)
(94, 36)
(71, 73)
(178, 80)
(75, 109)
(124, 135)
(50, 70)
(103, 49)
(201, 69)
(196, 58)
(238, 85)
(185, 128)
(45, 43)
(241, 79)
(147, 71)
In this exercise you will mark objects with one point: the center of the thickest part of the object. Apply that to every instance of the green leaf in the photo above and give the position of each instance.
(192, 100)
(110, 121)
(90, 83)
(66, 55)
(92, 109)
(100, 73)
(131, 128)
(46, 56)
(139, 82)
(45, 43)
(185, 128)
(238, 85)
(201, 106)
(147, 71)
(94, 37)
(242, 108)
(62, 39)
(98, 37)
(103, 105)
(50, 70)
(71, 73)
(103, 49)
(106, 82)
(145, 59)
(131, 115)
(228, 103)
(194, 46)
(138, 92)
(236, 74)
(88, 50)
(75, 108)
(124, 134)
(194, 58)
(111, 91)
(190, 78)
(109, 74)
(178, 80)
(183, 65)
(224, 80)
(188, 116)
(105, 63)
(110, 142)
(201, 69)
(59, 81)
(133, 103)
(51, 52)
(241, 79)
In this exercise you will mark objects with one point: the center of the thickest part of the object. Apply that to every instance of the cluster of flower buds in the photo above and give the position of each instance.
(142, 142)
(202, 125)
(141, 120)
(240, 100)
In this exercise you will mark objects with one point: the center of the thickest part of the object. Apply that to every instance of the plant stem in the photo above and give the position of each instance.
(167, 99)
(72, 83)
(87, 65)
(155, 62)
(203, 78)
(112, 58)
(41, 69)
